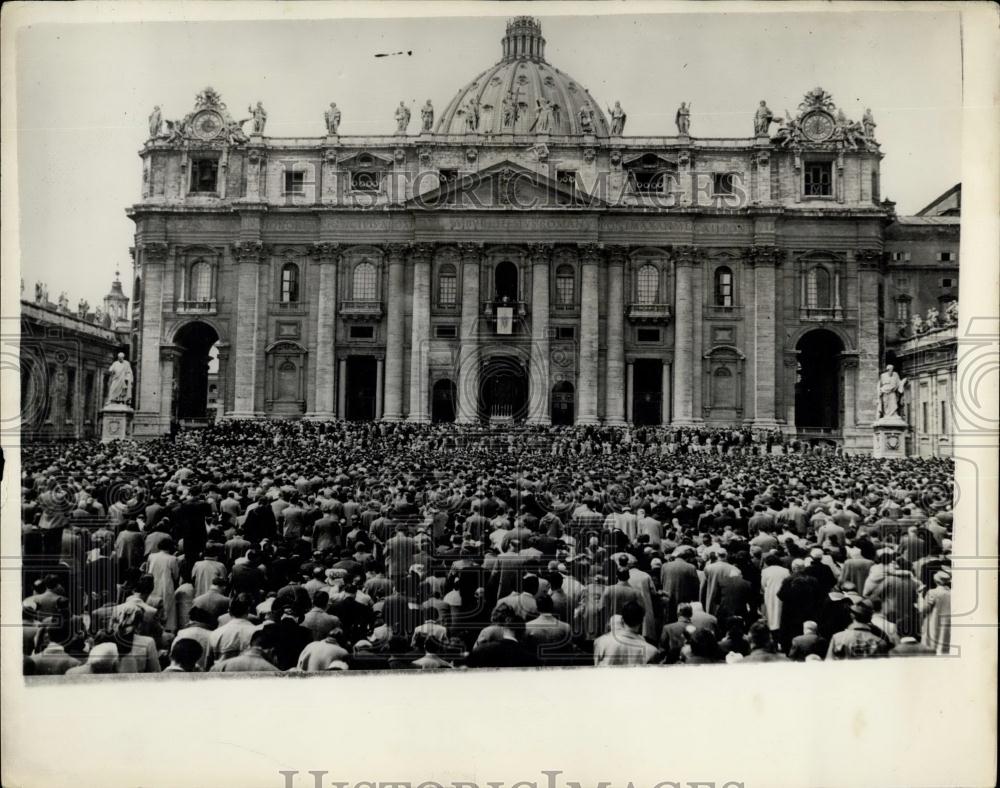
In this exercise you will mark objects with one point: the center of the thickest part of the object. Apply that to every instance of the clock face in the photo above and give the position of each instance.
(207, 125)
(818, 126)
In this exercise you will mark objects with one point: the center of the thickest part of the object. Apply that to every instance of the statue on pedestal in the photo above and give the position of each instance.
(427, 116)
(120, 382)
(617, 119)
(543, 120)
(63, 302)
(683, 118)
(155, 122)
(868, 121)
(402, 118)
(82, 308)
(762, 120)
(890, 394)
(332, 118)
(259, 118)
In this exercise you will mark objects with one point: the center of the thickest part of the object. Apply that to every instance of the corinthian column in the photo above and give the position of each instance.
(394, 334)
(684, 338)
(420, 334)
(538, 404)
(588, 373)
(324, 393)
(467, 385)
(614, 378)
(147, 421)
(249, 339)
(765, 259)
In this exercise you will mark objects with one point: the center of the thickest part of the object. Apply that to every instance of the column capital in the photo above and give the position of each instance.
(616, 254)
(396, 251)
(154, 253)
(421, 252)
(590, 254)
(249, 252)
(470, 251)
(685, 255)
(764, 255)
(540, 253)
(326, 252)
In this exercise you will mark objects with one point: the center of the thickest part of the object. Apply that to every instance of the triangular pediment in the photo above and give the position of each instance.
(506, 184)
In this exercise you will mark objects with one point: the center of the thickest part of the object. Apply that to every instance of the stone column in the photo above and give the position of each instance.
(326, 327)
(379, 377)
(394, 334)
(223, 379)
(539, 411)
(849, 367)
(665, 393)
(684, 369)
(590, 298)
(147, 421)
(629, 390)
(614, 378)
(342, 388)
(420, 334)
(249, 345)
(869, 276)
(467, 385)
(765, 260)
(169, 357)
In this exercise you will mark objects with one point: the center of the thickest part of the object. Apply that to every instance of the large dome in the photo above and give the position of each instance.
(523, 94)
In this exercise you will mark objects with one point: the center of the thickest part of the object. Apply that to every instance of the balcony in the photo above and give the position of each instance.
(361, 311)
(209, 307)
(821, 314)
(288, 307)
(490, 307)
(649, 313)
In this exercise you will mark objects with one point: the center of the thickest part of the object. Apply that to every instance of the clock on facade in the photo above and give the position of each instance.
(818, 126)
(207, 124)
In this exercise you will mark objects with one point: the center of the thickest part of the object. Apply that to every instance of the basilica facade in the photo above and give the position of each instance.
(516, 257)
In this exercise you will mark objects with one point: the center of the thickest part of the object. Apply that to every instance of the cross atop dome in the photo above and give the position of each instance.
(523, 39)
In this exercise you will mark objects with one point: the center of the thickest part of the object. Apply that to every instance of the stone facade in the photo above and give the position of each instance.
(521, 258)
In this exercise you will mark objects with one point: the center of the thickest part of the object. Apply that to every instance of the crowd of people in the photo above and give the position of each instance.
(295, 546)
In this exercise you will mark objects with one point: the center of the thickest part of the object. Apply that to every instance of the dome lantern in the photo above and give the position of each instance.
(523, 40)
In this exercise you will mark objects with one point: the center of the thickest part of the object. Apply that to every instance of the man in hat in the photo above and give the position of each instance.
(859, 640)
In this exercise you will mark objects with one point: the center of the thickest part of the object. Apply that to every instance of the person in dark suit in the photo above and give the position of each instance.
(679, 583)
(809, 642)
(260, 522)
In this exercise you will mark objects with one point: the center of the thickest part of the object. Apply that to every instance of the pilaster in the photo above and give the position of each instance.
(538, 406)
(249, 342)
(324, 395)
(614, 378)
(420, 257)
(467, 385)
(395, 306)
(587, 377)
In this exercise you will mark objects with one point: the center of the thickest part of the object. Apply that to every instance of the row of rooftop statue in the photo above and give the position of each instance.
(790, 132)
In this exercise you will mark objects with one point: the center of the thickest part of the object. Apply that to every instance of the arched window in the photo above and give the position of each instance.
(201, 281)
(565, 284)
(289, 283)
(723, 286)
(818, 288)
(447, 285)
(363, 285)
(648, 285)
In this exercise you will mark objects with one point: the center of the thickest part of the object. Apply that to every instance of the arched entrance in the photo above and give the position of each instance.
(503, 393)
(505, 284)
(443, 401)
(563, 401)
(196, 341)
(817, 385)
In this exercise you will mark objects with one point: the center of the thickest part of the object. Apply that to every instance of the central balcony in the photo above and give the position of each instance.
(188, 307)
(489, 308)
(361, 310)
(649, 313)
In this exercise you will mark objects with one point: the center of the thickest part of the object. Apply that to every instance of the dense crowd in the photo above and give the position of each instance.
(303, 546)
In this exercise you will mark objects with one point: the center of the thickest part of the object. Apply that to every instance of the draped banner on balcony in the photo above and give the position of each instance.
(505, 319)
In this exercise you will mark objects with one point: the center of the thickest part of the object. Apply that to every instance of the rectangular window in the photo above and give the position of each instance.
(295, 182)
(70, 393)
(946, 257)
(819, 179)
(564, 289)
(204, 175)
(647, 334)
(903, 310)
(947, 283)
(565, 332)
(362, 332)
(446, 332)
(723, 183)
(447, 289)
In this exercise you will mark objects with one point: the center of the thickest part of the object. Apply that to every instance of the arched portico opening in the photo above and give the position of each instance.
(817, 385)
(505, 285)
(196, 341)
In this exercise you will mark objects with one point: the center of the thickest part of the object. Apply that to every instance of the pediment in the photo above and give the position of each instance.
(364, 159)
(506, 184)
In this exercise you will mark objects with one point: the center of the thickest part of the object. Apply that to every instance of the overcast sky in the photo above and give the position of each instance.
(85, 91)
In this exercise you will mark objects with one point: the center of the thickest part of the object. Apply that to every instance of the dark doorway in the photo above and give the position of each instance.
(505, 281)
(196, 341)
(361, 382)
(443, 401)
(563, 403)
(503, 394)
(647, 391)
(817, 385)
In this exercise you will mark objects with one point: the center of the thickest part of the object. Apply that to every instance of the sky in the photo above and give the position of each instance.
(85, 92)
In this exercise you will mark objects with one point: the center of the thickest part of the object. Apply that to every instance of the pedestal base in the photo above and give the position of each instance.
(116, 422)
(890, 437)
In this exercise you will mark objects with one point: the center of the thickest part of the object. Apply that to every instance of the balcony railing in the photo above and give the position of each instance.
(208, 307)
(649, 313)
(361, 310)
(490, 307)
(821, 313)
(288, 307)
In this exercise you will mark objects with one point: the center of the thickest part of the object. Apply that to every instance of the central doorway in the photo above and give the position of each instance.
(361, 385)
(817, 387)
(503, 394)
(197, 340)
(647, 391)
(443, 401)
(563, 399)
